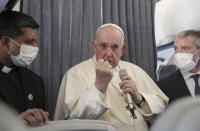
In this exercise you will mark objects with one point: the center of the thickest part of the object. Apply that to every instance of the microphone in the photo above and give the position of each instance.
(122, 74)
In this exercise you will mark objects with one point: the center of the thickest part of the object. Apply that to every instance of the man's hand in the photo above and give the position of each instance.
(34, 117)
(128, 86)
(103, 75)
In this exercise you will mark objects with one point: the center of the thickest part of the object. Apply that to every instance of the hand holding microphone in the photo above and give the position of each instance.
(128, 86)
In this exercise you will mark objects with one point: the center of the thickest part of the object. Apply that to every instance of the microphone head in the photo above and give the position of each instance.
(122, 73)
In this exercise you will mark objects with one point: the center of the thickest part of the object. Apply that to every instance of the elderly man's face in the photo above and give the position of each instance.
(109, 45)
(185, 45)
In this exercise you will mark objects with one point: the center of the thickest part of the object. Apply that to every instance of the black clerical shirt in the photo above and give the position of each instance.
(21, 88)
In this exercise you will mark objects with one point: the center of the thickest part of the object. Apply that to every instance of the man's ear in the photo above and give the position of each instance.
(4, 42)
(123, 47)
(94, 45)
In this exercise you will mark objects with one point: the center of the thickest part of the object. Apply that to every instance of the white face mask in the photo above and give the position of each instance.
(26, 56)
(185, 61)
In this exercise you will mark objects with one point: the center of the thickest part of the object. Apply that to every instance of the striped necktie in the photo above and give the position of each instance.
(196, 80)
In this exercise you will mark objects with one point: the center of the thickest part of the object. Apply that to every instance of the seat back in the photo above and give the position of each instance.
(164, 71)
(9, 120)
(76, 125)
(182, 115)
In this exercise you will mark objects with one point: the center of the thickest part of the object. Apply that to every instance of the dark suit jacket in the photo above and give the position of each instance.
(174, 86)
(32, 88)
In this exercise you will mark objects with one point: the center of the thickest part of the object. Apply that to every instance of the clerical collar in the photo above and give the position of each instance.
(5, 69)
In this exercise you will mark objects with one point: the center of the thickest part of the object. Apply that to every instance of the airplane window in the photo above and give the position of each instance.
(3, 4)
(163, 52)
(10, 5)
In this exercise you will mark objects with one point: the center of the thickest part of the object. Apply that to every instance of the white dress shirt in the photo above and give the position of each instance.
(190, 82)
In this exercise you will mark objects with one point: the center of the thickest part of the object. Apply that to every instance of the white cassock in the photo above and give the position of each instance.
(79, 98)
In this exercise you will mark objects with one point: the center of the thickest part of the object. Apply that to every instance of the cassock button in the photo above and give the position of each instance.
(30, 97)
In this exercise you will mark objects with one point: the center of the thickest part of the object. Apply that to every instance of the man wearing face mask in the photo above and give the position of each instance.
(20, 88)
(93, 89)
(185, 81)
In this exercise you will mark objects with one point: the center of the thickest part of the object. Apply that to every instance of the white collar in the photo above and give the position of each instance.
(6, 69)
(187, 75)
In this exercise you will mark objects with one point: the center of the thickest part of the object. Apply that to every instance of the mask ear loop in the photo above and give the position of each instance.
(14, 43)
(196, 56)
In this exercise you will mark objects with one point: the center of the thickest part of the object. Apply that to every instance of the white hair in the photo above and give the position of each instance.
(193, 33)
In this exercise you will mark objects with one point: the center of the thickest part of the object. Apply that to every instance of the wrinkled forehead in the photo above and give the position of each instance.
(185, 41)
